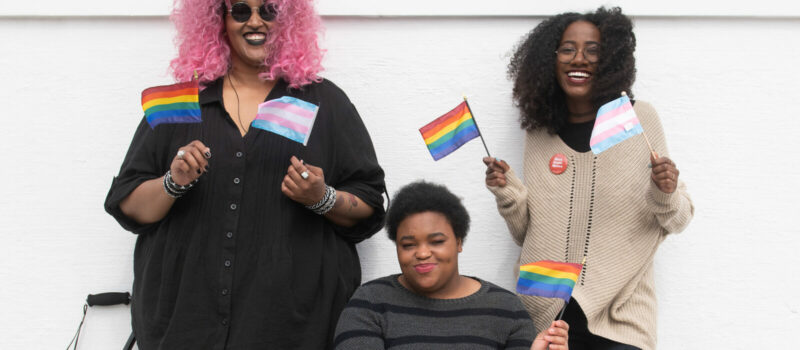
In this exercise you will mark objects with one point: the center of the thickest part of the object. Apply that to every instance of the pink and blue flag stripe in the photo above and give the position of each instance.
(616, 122)
(287, 116)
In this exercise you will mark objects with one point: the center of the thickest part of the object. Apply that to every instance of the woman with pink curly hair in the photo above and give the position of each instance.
(246, 237)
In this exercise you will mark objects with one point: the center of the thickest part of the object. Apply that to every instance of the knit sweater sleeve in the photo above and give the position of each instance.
(673, 210)
(360, 326)
(512, 203)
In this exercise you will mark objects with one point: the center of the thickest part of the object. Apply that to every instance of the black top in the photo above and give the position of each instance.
(577, 135)
(236, 264)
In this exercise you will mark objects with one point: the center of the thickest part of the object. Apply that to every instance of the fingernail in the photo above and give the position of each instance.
(302, 161)
(199, 172)
(206, 168)
(649, 165)
(208, 154)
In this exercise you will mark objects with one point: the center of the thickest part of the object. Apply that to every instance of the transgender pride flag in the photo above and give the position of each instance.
(616, 122)
(287, 116)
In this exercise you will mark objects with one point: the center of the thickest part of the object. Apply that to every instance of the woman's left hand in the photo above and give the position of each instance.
(665, 174)
(306, 190)
(556, 337)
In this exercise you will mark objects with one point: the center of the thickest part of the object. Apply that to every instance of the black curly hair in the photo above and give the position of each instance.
(418, 197)
(536, 91)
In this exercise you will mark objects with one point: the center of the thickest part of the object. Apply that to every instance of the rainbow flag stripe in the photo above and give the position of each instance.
(448, 132)
(549, 279)
(171, 104)
(287, 116)
(616, 122)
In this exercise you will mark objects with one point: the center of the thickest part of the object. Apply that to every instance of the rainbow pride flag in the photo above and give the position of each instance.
(448, 132)
(170, 104)
(287, 116)
(616, 122)
(549, 279)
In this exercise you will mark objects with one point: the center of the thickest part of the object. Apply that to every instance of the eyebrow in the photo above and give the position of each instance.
(430, 235)
(574, 42)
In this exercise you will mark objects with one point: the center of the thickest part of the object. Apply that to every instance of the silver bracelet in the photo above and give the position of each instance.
(174, 190)
(326, 203)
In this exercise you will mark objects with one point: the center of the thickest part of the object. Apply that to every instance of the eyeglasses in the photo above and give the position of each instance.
(241, 12)
(567, 54)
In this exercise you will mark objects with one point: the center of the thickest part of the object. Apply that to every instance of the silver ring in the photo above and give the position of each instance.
(180, 154)
(304, 175)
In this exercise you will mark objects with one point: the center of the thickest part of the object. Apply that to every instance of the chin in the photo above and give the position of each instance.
(424, 286)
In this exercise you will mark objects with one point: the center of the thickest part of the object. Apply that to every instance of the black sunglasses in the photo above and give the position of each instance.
(241, 12)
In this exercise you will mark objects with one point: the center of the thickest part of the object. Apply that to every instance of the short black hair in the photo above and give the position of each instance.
(541, 100)
(418, 197)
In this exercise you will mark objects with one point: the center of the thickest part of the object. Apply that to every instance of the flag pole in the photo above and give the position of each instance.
(646, 139)
(476, 126)
(560, 315)
(650, 146)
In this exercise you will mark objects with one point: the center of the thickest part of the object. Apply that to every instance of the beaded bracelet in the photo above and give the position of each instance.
(174, 190)
(326, 203)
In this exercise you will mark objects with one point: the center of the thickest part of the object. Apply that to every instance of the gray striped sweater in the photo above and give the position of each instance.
(385, 315)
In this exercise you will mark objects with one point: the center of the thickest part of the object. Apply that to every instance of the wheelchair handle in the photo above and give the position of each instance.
(108, 299)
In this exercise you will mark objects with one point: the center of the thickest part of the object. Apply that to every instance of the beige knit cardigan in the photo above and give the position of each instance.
(605, 208)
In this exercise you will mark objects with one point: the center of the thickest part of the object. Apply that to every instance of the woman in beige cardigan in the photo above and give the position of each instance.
(612, 209)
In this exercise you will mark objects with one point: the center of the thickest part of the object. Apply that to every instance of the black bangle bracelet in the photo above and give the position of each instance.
(174, 190)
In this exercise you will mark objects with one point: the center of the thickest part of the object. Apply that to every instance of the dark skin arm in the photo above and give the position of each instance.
(148, 203)
(348, 210)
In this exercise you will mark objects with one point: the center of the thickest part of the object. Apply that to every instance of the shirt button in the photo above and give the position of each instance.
(236, 180)
(229, 234)
(239, 154)
(233, 206)
(224, 321)
(225, 291)
(227, 263)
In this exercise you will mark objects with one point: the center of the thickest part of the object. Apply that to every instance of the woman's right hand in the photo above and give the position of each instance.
(495, 171)
(190, 162)
(554, 338)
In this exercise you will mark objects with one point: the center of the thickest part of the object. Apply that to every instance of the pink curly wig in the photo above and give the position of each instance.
(294, 54)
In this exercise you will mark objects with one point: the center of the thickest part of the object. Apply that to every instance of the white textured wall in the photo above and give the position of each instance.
(725, 88)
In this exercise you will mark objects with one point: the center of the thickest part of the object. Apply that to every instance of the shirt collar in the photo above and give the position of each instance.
(213, 91)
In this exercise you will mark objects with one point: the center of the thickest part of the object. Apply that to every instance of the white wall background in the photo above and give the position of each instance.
(724, 80)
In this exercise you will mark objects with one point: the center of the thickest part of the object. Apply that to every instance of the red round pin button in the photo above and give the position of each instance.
(558, 164)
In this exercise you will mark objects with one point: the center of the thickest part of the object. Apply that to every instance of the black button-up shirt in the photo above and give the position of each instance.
(236, 264)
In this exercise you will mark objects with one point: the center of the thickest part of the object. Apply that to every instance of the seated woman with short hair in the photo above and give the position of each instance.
(430, 305)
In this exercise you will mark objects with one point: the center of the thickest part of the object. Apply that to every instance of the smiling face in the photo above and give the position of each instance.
(427, 250)
(575, 77)
(248, 39)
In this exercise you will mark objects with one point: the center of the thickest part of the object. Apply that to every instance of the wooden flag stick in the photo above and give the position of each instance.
(650, 146)
(476, 126)
(646, 139)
